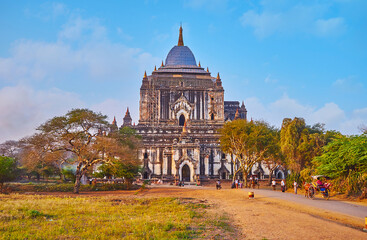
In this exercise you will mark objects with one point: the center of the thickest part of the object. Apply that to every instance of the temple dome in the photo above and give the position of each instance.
(180, 56)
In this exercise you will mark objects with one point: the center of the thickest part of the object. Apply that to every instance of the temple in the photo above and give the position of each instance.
(181, 108)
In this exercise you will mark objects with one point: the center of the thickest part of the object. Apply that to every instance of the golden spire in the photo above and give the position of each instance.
(180, 38)
(184, 130)
(162, 64)
(155, 68)
(145, 74)
(207, 69)
(114, 121)
(199, 64)
(218, 77)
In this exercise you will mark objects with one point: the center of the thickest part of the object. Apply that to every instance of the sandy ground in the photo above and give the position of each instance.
(261, 217)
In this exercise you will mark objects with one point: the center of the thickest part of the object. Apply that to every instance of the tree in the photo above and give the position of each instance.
(274, 157)
(301, 143)
(248, 142)
(36, 158)
(8, 170)
(11, 148)
(345, 161)
(84, 134)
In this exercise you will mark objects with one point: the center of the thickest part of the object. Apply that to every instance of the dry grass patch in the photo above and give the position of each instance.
(106, 217)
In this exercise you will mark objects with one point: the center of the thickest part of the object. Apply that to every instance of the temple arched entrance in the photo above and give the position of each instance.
(181, 120)
(186, 173)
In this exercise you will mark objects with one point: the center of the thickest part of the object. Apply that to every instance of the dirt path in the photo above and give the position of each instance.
(354, 210)
(261, 217)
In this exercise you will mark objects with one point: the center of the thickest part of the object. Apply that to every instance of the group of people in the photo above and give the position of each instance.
(283, 185)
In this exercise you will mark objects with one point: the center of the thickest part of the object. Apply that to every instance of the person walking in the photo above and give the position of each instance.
(273, 184)
(295, 185)
(236, 182)
(282, 184)
(219, 186)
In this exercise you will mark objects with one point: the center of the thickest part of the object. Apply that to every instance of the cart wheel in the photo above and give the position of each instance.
(326, 194)
(311, 192)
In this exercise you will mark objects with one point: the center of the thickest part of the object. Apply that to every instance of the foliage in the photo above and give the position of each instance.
(249, 143)
(305, 175)
(85, 136)
(8, 170)
(301, 143)
(274, 157)
(345, 161)
(50, 217)
(69, 173)
(291, 178)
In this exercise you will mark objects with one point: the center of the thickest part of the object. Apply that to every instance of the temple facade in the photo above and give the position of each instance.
(181, 108)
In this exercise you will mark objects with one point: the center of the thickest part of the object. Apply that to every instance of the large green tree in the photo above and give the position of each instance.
(8, 170)
(301, 143)
(248, 143)
(345, 161)
(274, 158)
(86, 135)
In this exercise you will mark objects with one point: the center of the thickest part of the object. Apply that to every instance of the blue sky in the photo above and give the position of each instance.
(283, 58)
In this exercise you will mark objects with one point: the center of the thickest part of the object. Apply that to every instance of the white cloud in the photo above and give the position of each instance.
(292, 19)
(331, 114)
(331, 26)
(96, 59)
(78, 28)
(82, 59)
(23, 109)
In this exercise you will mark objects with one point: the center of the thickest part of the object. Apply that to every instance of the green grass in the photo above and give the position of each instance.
(47, 217)
(67, 187)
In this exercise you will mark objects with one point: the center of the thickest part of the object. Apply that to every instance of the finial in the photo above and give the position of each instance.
(145, 74)
(243, 103)
(114, 121)
(180, 38)
(155, 68)
(207, 69)
(218, 77)
(162, 65)
(127, 110)
(199, 64)
(184, 130)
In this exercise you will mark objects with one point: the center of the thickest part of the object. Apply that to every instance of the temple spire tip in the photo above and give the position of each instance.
(180, 38)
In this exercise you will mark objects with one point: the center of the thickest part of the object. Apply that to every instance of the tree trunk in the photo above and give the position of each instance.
(78, 177)
(270, 177)
(245, 177)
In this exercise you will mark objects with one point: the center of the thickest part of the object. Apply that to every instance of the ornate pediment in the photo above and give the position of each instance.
(182, 104)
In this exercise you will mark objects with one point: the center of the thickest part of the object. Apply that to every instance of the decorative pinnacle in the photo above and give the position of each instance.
(155, 68)
(207, 69)
(199, 64)
(184, 130)
(162, 65)
(180, 38)
(114, 121)
(218, 77)
(145, 74)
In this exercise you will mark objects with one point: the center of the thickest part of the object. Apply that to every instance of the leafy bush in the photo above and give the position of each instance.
(345, 161)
